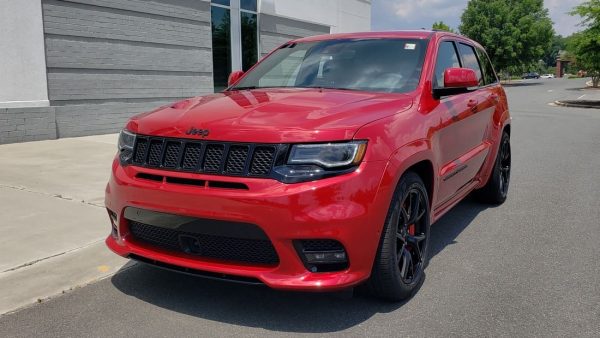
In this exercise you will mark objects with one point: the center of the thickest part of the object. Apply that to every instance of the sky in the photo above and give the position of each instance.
(416, 14)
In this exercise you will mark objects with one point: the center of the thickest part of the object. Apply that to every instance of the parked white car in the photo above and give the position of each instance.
(547, 76)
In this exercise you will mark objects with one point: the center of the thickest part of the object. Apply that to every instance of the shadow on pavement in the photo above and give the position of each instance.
(521, 84)
(261, 307)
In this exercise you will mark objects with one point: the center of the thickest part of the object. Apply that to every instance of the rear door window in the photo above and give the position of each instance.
(488, 69)
(469, 59)
(447, 58)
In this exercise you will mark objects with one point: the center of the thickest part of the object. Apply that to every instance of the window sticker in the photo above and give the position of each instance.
(410, 46)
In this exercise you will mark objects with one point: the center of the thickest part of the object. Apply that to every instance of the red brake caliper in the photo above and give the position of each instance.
(411, 229)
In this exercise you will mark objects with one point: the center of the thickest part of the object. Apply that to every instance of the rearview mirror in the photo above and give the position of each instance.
(234, 77)
(457, 81)
(460, 78)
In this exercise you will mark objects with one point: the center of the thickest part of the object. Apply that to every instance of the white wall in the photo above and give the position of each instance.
(22, 60)
(341, 15)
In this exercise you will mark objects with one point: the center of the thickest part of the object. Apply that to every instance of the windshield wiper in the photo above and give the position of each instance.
(334, 88)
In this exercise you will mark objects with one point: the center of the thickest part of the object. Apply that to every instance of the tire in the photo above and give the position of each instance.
(496, 189)
(402, 254)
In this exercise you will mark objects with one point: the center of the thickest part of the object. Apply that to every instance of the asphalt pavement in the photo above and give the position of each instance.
(530, 267)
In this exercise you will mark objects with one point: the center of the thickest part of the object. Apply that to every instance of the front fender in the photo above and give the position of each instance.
(400, 161)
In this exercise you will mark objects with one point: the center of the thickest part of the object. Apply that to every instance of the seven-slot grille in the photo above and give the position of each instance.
(231, 159)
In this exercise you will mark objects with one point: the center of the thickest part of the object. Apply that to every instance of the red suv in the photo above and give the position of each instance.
(321, 168)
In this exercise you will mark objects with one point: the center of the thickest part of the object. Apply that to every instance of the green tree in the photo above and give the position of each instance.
(590, 12)
(515, 33)
(586, 44)
(441, 26)
(558, 43)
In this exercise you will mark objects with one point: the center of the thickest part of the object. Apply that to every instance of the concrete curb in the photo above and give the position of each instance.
(578, 104)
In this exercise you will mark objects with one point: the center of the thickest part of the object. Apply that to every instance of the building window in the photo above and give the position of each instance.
(221, 46)
(249, 40)
(234, 38)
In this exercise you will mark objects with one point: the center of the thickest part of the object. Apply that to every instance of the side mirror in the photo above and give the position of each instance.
(457, 81)
(460, 78)
(234, 77)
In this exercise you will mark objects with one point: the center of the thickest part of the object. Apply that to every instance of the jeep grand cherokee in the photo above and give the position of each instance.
(319, 169)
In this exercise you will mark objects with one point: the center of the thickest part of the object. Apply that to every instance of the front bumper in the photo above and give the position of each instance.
(350, 209)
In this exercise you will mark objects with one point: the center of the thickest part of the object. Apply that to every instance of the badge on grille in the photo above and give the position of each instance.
(198, 132)
(190, 244)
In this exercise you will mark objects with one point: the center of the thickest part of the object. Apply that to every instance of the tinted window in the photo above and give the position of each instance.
(486, 65)
(249, 5)
(469, 59)
(447, 58)
(249, 40)
(383, 65)
(221, 2)
(221, 45)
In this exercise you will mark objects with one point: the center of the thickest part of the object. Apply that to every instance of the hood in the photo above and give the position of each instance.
(271, 116)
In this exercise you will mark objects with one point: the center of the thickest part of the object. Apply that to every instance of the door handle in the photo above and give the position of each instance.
(472, 103)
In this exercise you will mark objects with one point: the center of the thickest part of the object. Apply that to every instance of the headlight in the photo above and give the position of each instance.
(307, 162)
(125, 146)
(329, 155)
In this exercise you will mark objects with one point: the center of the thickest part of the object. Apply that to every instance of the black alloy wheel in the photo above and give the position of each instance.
(504, 156)
(411, 236)
(398, 269)
(496, 189)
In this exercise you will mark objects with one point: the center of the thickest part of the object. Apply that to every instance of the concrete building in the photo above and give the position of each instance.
(82, 67)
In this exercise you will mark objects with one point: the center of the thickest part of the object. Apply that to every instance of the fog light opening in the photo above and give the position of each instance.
(322, 255)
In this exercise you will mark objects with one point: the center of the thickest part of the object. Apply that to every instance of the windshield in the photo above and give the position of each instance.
(380, 65)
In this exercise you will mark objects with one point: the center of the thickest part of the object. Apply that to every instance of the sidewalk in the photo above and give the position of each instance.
(52, 219)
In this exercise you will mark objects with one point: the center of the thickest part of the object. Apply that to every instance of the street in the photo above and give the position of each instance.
(530, 267)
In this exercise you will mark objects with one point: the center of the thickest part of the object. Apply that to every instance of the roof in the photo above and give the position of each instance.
(414, 34)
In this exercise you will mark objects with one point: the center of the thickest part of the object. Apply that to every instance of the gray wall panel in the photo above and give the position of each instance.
(77, 52)
(290, 27)
(110, 59)
(66, 18)
(100, 118)
(76, 85)
(198, 10)
(275, 31)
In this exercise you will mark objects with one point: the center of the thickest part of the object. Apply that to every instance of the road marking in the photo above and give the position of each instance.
(550, 90)
(581, 97)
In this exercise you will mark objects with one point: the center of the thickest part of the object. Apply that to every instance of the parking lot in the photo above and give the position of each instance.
(530, 267)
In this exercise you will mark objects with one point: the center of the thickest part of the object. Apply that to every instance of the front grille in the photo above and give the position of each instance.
(244, 250)
(229, 159)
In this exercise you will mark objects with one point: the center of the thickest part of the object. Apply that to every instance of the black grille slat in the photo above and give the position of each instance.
(155, 152)
(172, 154)
(255, 251)
(140, 151)
(213, 157)
(262, 160)
(192, 156)
(236, 159)
(222, 158)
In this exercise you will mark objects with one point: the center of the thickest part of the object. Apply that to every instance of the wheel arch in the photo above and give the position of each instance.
(416, 157)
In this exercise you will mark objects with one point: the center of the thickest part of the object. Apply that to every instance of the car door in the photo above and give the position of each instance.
(460, 138)
(478, 122)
